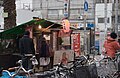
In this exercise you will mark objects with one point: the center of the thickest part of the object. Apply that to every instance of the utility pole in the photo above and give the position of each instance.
(47, 9)
(85, 35)
(103, 33)
(116, 17)
(105, 19)
(94, 16)
(68, 9)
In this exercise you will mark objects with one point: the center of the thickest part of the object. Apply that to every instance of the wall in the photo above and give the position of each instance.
(100, 13)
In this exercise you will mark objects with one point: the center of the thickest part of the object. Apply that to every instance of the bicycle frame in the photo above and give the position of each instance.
(19, 68)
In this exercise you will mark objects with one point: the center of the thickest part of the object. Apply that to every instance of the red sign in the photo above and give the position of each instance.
(76, 44)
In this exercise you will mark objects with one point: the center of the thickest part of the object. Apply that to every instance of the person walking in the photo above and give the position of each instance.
(27, 50)
(44, 53)
(111, 45)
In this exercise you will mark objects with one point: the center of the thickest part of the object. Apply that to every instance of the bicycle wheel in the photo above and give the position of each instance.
(106, 68)
(22, 74)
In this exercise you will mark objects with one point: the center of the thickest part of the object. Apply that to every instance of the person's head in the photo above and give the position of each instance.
(27, 33)
(113, 35)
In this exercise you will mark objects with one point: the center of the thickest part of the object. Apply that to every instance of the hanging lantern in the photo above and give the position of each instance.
(66, 25)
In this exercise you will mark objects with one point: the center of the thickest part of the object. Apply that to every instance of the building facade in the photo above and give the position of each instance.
(54, 10)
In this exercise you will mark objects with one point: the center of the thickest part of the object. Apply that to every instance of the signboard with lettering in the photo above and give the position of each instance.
(76, 43)
(86, 6)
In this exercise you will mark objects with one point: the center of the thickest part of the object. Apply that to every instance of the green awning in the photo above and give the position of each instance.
(17, 30)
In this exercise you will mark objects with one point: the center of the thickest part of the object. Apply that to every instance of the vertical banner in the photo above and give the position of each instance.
(30, 30)
(76, 44)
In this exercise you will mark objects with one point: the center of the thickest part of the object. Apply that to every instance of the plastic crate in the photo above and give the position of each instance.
(5, 75)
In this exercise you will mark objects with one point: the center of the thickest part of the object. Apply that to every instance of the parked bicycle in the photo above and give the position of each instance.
(20, 70)
(109, 67)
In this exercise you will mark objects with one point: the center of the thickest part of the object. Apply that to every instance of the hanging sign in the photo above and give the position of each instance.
(76, 43)
(66, 25)
(86, 6)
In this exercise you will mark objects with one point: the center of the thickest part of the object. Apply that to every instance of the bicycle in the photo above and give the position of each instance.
(20, 70)
(70, 71)
(117, 62)
(109, 66)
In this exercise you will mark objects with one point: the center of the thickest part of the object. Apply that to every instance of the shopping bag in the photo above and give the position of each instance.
(44, 61)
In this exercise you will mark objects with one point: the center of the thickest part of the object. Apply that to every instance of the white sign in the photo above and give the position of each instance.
(5, 14)
(58, 55)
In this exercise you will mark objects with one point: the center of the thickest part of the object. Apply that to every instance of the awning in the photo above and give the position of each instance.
(17, 30)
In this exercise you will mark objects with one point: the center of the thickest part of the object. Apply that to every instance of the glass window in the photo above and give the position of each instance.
(118, 19)
(100, 20)
(108, 20)
(102, 1)
(98, 1)
(118, 1)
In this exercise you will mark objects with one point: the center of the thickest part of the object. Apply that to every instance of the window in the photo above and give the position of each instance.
(118, 1)
(102, 1)
(98, 1)
(115, 1)
(118, 19)
(100, 20)
(52, 11)
(108, 20)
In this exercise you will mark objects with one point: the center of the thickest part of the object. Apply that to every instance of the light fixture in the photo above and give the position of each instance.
(39, 26)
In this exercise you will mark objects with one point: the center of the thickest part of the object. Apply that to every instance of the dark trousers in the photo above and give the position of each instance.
(27, 64)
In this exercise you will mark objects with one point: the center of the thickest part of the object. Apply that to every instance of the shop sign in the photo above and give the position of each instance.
(76, 43)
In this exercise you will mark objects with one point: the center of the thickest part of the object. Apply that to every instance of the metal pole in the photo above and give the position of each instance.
(105, 18)
(68, 9)
(116, 17)
(94, 3)
(47, 9)
(85, 35)
(85, 41)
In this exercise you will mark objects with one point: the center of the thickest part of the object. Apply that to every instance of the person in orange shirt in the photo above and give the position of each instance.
(111, 45)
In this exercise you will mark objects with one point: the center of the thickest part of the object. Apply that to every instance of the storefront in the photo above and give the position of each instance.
(63, 43)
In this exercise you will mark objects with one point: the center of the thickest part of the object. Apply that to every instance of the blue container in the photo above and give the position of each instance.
(6, 75)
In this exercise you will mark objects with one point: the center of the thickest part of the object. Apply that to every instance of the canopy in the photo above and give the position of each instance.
(17, 30)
